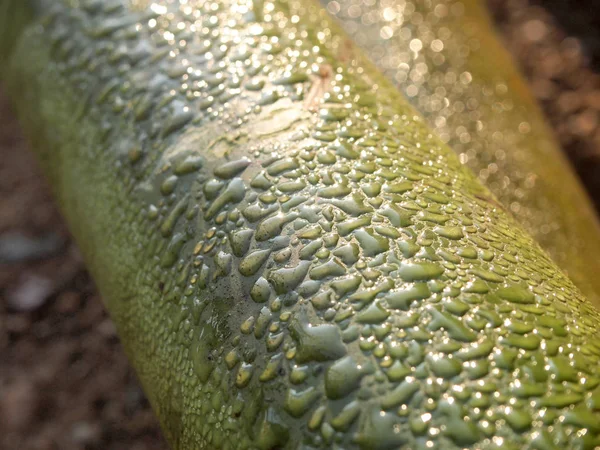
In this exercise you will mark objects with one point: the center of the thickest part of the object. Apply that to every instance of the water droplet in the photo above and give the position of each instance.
(516, 294)
(287, 279)
(232, 169)
(297, 402)
(371, 244)
(260, 291)
(402, 299)
(252, 262)
(234, 193)
(420, 271)
(316, 343)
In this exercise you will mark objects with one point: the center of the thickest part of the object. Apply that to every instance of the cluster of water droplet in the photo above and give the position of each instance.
(445, 58)
(318, 270)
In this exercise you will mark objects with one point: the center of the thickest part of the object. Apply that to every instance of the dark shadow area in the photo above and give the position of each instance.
(580, 19)
(557, 45)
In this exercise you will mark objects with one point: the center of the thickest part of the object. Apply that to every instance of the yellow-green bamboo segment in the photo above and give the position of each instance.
(291, 256)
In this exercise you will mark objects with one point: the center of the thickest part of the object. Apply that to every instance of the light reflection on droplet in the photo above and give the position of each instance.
(416, 45)
(386, 32)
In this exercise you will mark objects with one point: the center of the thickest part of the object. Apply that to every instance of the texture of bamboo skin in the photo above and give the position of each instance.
(292, 258)
(446, 58)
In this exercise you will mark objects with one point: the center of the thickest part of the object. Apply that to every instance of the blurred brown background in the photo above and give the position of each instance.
(64, 381)
(557, 45)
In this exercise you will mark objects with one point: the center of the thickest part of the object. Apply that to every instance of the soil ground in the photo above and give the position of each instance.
(64, 381)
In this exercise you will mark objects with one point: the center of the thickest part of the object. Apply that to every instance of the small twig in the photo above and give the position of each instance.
(321, 83)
